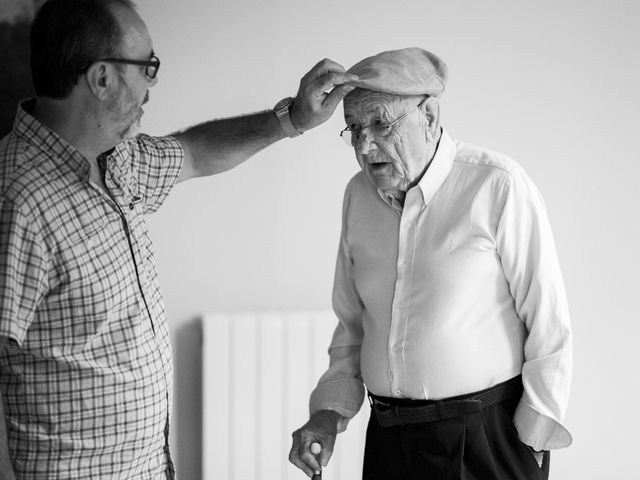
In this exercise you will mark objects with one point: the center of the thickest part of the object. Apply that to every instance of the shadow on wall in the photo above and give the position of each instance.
(187, 410)
(15, 74)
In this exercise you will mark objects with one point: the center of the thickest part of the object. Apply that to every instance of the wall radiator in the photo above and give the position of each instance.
(258, 371)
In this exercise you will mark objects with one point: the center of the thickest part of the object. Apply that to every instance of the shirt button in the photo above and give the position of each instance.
(398, 391)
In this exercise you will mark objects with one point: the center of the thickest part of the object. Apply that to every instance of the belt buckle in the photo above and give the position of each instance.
(378, 404)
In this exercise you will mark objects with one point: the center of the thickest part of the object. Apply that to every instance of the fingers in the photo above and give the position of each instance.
(336, 95)
(327, 451)
(331, 79)
(307, 441)
(325, 75)
(316, 88)
(301, 456)
(313, 105)
(322, 67)
(309, 458)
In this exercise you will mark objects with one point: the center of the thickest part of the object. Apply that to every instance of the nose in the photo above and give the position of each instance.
(365, 145)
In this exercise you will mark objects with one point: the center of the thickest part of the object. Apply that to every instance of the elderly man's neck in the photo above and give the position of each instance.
(396, 197)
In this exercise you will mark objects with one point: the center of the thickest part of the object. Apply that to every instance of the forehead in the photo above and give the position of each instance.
(362, 102)
(136, 41)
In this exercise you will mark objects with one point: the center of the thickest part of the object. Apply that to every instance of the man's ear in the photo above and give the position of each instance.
(431, 109)
(100, 79)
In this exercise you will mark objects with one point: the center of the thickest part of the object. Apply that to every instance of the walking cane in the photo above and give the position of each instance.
(315, 449)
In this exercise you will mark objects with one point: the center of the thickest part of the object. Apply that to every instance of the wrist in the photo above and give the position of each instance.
(333, 418)
(327, 415)
(282, 111)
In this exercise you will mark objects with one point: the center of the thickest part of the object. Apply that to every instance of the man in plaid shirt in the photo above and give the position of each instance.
(85, 359)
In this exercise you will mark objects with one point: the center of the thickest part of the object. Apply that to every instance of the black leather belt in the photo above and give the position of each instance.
(390, 412)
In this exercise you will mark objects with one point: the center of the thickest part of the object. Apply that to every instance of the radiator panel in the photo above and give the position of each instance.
(258, 371)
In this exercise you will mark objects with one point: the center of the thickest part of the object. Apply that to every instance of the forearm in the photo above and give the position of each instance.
(530, 264)
(220, 145)
(340, 388)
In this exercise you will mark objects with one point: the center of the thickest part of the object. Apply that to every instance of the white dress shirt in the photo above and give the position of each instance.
(456, 292)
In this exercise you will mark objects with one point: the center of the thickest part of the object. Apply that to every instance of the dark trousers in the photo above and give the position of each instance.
(477, 446)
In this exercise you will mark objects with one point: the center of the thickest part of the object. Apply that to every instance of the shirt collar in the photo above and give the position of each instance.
(31, 131)
(434, 177)
(439, 168)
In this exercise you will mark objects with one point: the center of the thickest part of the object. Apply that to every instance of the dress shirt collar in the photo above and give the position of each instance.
(436, 173)
(27, 128)
(439, 168)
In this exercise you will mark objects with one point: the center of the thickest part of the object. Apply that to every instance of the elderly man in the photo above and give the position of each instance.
(85, 360)
(451, 305)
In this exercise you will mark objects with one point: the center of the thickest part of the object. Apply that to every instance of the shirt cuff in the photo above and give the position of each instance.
(342, 395)
(538, 430)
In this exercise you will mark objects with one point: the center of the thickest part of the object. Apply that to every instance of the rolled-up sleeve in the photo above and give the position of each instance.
(340, 388)
(23, 271)
(530, 263)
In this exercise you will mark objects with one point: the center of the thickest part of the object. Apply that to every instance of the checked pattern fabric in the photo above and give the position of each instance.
(86, 376)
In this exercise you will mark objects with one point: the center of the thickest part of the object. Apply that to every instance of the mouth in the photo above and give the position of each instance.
(380, 168)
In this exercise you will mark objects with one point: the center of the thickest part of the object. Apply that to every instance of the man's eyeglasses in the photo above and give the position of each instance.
(378, 129)
(153, 64)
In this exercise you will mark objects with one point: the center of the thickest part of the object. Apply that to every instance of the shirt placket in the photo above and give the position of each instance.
(401, 298)
(127, 214)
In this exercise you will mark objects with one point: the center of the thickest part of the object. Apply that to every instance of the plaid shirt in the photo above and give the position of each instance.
(87, 374)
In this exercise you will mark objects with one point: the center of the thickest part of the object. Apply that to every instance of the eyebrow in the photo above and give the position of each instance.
(377, 112)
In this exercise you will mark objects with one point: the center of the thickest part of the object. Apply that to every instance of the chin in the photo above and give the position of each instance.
(132, 131)
(385, 184)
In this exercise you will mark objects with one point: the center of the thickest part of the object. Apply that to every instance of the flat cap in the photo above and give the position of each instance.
(409, 71)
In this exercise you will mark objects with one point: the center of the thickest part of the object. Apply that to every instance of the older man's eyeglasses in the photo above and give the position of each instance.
(378, 129)
(153, 64)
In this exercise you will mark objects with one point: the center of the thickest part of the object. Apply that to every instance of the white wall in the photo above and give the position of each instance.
(552, 83)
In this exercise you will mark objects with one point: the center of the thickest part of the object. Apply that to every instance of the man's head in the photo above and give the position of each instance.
(67, 37)
(393, 117)
(86, 45)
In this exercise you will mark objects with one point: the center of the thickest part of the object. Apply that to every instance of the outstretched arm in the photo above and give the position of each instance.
(219, 145)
